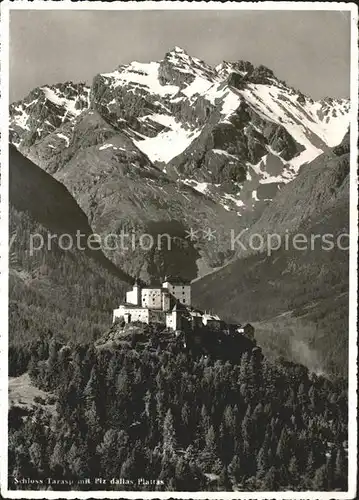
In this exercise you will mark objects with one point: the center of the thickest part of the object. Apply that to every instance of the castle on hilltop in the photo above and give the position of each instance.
(169, 304)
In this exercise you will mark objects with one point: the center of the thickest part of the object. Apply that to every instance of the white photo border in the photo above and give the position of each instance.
(5, 9)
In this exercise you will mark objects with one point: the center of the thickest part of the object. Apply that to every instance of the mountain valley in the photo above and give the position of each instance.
(179, 147)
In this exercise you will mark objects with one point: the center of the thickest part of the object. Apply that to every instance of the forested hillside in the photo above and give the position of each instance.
(71, 292)
(164, 420)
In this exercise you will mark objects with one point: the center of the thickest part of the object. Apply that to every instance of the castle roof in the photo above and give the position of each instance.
(211, 317)
(196, 314)
(127, 305)
(176, 280)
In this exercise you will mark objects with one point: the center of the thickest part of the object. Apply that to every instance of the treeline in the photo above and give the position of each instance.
(190, 424)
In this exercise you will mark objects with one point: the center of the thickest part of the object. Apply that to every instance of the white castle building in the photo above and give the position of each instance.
(157, 304)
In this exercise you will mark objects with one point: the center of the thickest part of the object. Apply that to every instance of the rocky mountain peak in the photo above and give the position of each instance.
(227, 67)
(177, 52)
(181, 68)
(176, 132)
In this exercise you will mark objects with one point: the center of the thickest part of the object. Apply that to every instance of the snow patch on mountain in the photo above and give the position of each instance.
(199, 86)
(234, 200)
(201, 187)
(230, 104)
(224, 153)
(65, 138)
(54, 96)
(301, 120)
(108, 145)
(21, 117)
(306, 156)
(105, 146)
(169, 143)
(140, 75)
(254, 195)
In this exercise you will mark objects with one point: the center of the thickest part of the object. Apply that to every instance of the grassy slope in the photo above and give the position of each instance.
(22, 393)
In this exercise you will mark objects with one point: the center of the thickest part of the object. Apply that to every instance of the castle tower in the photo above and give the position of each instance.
(134, 296)
(174, 319)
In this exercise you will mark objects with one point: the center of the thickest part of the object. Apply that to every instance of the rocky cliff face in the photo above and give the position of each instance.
(318, 186)
(175, 145)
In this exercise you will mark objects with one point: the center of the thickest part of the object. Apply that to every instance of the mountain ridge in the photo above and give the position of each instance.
(215, 144)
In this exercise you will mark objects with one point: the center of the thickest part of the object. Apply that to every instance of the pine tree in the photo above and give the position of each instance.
(340, 470)
(77, 461)
(244, 368)
(270, 482)
(262, 462)
(283, 448)
(185, 414)
(57, 459)
(52, 367)
(320, 480)
(169, 437)
(247, 425)
(205, 420)
(293, 471)
(128, 470)
(92, 391)
(107, 450)
(310, 469)
(234, 468)
(211, 444)
(36, 456)
(184, 476)
(224, 481)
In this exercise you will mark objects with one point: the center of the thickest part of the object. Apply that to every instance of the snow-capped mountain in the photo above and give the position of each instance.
(152, 139)
(46, 109)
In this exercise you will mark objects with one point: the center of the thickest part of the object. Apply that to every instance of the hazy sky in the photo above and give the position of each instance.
(309, 50)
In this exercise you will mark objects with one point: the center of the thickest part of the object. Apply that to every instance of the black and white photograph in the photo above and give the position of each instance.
(179, 250)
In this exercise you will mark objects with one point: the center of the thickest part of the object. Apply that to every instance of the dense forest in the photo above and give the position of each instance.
(163, 419)
(148, 416)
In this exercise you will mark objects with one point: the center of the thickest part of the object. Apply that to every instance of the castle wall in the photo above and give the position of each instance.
(151, 298)
(181, 292)
(173, 321)
(154, 303)
(156, 316)
(132, 313)
(170, 321)
(138, 314)
(166, 301)
(117, 313)
(133, 296)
